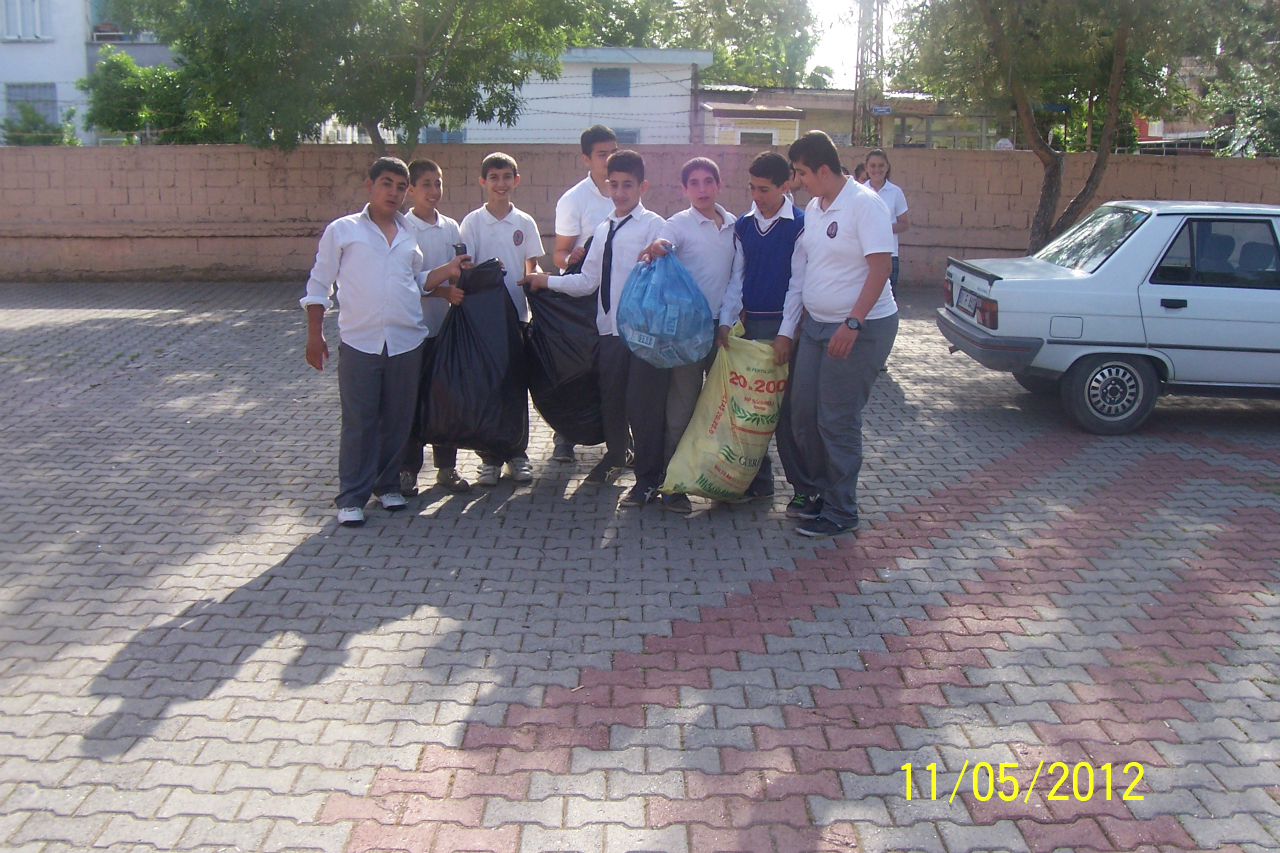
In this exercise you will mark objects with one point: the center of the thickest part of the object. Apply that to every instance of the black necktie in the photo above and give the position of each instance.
(606, 274)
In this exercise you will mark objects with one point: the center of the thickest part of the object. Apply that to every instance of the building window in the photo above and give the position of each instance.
(755, 137)
(25, 19)
(611, 83)
(628, 137)
(42, 96)
(440, 136)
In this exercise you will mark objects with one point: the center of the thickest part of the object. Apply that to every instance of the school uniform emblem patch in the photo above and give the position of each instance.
(832, 229)
(517, 237)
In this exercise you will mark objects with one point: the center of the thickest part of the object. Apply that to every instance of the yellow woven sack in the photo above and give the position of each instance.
(737, 412)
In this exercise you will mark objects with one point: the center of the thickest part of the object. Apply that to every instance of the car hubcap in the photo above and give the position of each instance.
(1114, 390)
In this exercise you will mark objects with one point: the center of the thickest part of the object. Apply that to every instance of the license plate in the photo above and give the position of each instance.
(968, 301)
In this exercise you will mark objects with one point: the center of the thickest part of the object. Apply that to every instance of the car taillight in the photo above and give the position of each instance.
(988, 313)
(946, 286)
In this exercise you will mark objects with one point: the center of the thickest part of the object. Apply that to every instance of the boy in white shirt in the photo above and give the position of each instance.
(436, 235)
(501, 230)
(627, 382)
(702, 238)
(378, 268)
(850, 320)
(583, 206)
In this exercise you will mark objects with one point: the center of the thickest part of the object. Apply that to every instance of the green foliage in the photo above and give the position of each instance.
(171, 106)
(1249, 107)
(32, 128)
(1062, 53)
(288, 65)
(753, 42)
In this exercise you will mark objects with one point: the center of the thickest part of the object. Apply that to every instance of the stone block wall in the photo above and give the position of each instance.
(232, 212)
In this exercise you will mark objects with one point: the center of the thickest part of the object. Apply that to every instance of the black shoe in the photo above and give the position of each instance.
(638, 496)
(752, 493)
(821, 528)
(803, 506)
(563, 453)
(604, 472)
(677, 503)
(409, 484)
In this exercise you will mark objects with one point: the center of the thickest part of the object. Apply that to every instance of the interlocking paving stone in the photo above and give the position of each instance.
(194, 657)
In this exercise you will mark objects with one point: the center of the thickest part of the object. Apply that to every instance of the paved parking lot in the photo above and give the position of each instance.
(195, 657)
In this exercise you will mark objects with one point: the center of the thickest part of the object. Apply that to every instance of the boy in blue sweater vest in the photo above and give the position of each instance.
(764, 241)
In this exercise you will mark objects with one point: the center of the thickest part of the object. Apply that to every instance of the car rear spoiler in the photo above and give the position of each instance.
(970, 269)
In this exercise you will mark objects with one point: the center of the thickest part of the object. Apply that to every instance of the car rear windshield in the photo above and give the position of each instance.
(1092, 240)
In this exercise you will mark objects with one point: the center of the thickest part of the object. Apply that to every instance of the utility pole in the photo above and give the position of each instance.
(869, 71)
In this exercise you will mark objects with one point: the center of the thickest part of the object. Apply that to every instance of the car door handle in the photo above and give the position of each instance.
(1173, 303)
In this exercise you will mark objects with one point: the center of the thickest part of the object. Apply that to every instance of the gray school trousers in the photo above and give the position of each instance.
(378, 393)
(827, 396)
(682, 398)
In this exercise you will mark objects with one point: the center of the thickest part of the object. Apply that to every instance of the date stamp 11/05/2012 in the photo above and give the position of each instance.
(1081, 781)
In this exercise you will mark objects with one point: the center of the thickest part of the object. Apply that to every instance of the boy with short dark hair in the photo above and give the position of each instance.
(436, 235)
(702, 238)
(372, 257)
(764, 243)
(501, 230)
(844, 321)
(578, 212)
(627, 390)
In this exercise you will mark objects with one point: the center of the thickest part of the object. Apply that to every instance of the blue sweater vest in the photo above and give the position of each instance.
(767, 271)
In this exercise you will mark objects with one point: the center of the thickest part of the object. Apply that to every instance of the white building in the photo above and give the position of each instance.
(47, 45)
(647, 95)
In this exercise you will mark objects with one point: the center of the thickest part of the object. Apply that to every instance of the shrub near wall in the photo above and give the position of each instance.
(232, 212)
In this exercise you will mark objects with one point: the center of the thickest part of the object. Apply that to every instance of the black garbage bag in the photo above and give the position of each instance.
(564, 381)
(476, 395)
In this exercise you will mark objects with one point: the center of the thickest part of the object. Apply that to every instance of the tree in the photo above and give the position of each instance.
(753, 42)
(287, 66)
(1248, 107)
(32, 128)
(172, 106)
(1094, 56)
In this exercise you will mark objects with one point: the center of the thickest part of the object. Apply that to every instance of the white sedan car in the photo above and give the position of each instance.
(1139, 298)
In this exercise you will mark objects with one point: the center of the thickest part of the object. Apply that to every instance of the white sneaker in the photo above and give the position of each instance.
(392, 501)
(520, 470)
(489, 475)
(351, 516)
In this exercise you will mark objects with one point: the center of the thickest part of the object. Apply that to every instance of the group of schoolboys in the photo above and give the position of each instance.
(812, 283)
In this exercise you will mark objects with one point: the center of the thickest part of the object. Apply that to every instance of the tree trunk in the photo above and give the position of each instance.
(1077, 205)
(375, 136)
(1051, 187)
(1088, 125)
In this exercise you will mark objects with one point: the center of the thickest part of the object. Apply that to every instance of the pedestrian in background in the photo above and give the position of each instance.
(877, 177)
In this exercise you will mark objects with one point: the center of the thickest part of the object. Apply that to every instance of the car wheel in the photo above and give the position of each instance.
(1110, 394)
(1041, 386)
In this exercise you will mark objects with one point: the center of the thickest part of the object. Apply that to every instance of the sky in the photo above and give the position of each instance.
(837, 20)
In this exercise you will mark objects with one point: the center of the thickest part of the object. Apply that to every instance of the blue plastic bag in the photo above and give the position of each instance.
(663, 316)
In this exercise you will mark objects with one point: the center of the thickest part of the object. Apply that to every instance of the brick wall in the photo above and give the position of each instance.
(233, 212)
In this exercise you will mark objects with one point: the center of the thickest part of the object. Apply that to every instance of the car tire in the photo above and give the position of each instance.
(1040, 386)
(1110, 394)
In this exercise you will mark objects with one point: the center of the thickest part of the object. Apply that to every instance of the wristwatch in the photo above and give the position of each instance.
(853, 323)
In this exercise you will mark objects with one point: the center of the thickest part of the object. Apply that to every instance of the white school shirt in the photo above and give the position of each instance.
(512, 239)
(436, 242)
(580, 210)
(628, 242)
(705, 250)
(732, 306)
(892, 195)
(830, 265)
(379, 285)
